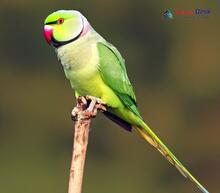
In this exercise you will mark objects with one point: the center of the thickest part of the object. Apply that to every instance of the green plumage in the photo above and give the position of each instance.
(113, 72)
(96, 68)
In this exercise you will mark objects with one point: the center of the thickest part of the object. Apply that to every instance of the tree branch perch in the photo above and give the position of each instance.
(86, 109)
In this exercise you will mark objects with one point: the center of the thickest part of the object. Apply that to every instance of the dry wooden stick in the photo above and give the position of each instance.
(82, 114)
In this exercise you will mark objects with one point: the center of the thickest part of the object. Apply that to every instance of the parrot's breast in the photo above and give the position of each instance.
(80, 61)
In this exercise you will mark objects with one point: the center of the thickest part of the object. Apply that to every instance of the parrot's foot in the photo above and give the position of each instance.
(81, 105)
(87, 107)
(95, 103)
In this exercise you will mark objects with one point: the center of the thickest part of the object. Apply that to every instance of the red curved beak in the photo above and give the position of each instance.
(48, 32)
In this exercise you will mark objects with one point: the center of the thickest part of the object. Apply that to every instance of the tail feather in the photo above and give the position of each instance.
(151, 137)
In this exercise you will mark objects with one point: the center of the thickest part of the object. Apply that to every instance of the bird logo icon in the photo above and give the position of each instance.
(168, 14)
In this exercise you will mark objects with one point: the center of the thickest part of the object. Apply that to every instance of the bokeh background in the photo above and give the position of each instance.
(174, 66)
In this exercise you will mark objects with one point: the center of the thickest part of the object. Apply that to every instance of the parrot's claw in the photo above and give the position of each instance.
(74, 113)
(80, 106)
(87, 107)
(96, 99)
(95, 104)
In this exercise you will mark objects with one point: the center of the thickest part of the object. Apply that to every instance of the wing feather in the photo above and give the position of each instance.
(113, 72)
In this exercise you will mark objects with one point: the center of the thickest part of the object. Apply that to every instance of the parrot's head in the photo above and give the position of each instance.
(64, 26)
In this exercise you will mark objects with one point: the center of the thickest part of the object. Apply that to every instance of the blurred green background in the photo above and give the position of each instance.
(174, 66)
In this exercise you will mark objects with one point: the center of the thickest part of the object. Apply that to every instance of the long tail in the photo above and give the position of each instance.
(151, 137)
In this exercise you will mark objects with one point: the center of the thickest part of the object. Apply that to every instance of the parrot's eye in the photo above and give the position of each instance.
(60, 21)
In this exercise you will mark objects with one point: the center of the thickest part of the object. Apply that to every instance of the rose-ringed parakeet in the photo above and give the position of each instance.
(96, 68)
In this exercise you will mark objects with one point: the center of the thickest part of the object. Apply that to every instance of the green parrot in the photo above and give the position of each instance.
(96, 68)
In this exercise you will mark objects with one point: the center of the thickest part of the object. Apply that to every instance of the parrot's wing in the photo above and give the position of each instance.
(113, 72)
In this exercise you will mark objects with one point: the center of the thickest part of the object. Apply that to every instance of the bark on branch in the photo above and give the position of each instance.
(86, 109)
